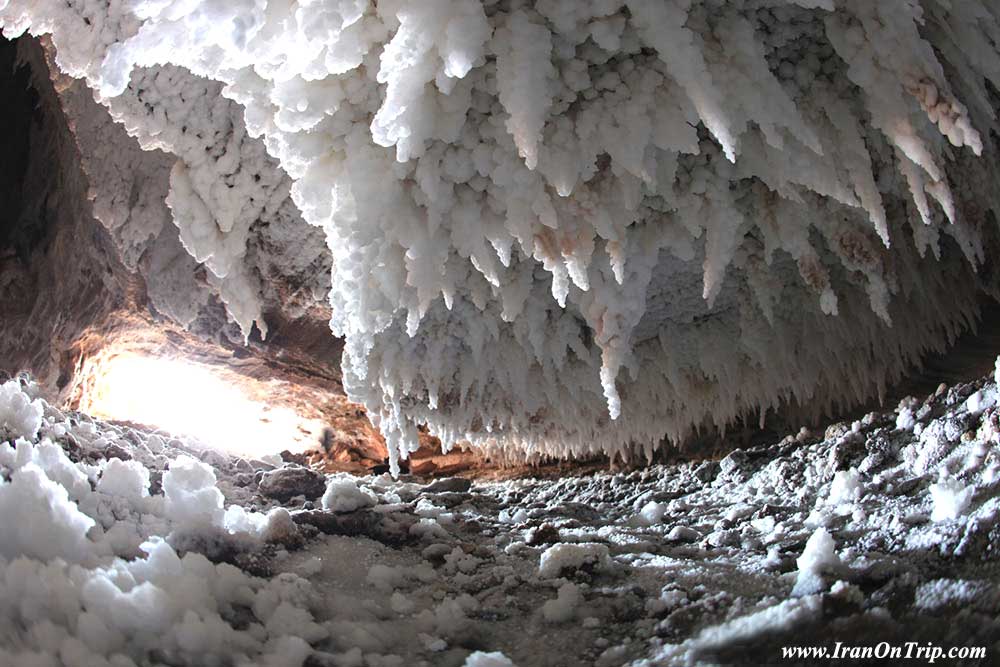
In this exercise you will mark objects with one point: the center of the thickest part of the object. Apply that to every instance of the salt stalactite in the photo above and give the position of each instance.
(563, 227)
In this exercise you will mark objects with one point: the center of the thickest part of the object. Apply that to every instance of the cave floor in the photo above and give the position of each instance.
(880, 530)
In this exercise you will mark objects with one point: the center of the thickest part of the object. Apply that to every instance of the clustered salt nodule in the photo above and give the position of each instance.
(520, 199)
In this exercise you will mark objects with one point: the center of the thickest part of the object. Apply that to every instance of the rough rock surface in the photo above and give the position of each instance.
(292, 480)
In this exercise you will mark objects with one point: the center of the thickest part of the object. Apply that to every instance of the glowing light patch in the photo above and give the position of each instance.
(188, 399)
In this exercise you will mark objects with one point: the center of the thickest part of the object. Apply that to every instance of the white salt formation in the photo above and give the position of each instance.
(20, 416)
(343, 495)
(951, 499)
(817, 557)
(560, 227)
(121, 548)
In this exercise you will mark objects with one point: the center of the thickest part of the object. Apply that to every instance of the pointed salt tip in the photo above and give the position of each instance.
(709, 294)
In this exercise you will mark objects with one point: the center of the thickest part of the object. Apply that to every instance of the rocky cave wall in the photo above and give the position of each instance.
(85, 225)
(61, 275)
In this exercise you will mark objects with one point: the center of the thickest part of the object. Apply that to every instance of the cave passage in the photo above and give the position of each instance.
(499, 333)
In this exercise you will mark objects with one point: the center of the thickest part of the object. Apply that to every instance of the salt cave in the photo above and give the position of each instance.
(250, 249)
(552, 228)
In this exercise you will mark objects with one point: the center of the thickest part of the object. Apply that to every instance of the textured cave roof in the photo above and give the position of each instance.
(546, 228)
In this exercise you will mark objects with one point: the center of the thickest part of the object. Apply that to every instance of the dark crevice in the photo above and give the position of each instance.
(20, 231)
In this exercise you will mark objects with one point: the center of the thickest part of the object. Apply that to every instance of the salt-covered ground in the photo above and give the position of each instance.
(119, 547)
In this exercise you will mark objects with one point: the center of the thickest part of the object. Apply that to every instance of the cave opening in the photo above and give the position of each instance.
(187, 399)
(83, 319)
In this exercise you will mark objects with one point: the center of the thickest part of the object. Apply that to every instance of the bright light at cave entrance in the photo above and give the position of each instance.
(187, 399)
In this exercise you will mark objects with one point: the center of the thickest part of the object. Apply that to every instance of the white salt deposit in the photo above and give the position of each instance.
(981, 401)
(817, 558)
(780, 617)
(560, 558)
(50, 458)
(129, 479)
(20, 416)
(941, 593)
(492, 659)
(39, 519)
(191, 497)
(563, 608)
(652, 512)
(951, 498)
(818, 555)
(343, 495)
(905, 419)
(204, 569)
(846, 487)
(400, 603)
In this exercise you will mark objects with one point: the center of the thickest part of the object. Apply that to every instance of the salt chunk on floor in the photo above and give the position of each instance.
(845, 488)
(53, 461)
(520, 516)
(238, 520)
(20, 417)
(905, 419)
(652, 512)
(191, 495)
(145, 607)
(39, 519)
(817, 557)
(981, 400)
(683, 534)
(400, 603)
(819, 553)
(311, 567)
(343, 495)
(129, 479)
(280, 527)
(951, 499)
(563, 608)
(561, 557)
(669, 600)
(482, 659)
(740, 631)
(384, 577)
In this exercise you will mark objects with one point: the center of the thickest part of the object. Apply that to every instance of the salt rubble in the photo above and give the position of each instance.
(20, 414)
(559, 227)
(951, 499)
(563, 608)
(817, 558)
(343, 495)
(169, 559)
(495, 659)
(560, 558)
